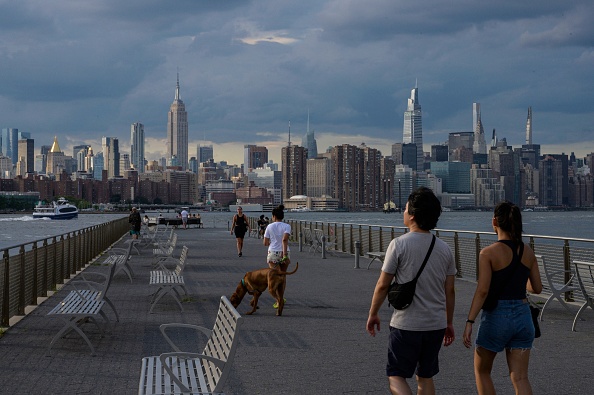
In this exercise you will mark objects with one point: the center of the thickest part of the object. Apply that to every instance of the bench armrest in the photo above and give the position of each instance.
(186, 355)
(164, 327)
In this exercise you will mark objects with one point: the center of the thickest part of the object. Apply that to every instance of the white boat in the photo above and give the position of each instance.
(300, 209)
(60, 209)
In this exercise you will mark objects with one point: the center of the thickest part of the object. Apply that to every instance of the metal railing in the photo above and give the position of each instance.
(39, 266)
(466, 245)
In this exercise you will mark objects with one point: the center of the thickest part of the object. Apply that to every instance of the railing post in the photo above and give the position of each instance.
(44, 269)
(6, 290)
(567, 266)
(300, 241)
(323, 246)
(457, 255)
(22, 278)
(357, 251)
(35, 279)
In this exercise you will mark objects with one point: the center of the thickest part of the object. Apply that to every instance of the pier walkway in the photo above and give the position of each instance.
(318, 346)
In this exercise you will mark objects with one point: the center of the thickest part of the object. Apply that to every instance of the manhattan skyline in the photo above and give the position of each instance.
(248, 68)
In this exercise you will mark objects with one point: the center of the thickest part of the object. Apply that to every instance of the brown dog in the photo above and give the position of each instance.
(256, 282)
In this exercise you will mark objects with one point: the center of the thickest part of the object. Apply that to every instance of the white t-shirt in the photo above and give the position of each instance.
(404, 258)
(275, 232)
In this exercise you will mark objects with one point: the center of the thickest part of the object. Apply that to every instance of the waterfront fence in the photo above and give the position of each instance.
(466, 245)
(31, 270)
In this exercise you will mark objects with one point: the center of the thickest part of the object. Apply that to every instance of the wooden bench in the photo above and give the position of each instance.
(168, 281)
(82, 305)
(379, 255)
(181, 372)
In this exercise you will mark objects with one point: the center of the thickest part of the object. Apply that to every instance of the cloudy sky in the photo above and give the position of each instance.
(84, 69)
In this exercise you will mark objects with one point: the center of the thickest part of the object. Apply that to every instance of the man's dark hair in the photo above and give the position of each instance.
(425, 206)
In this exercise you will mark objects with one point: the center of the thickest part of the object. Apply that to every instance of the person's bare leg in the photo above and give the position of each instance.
(425, 386)
(483, 364)
(399, 386)
(517, 362)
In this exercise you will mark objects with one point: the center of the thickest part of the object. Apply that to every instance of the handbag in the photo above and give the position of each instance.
(400, 296)
(535, 313)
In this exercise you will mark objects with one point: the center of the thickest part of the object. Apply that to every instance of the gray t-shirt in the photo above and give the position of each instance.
(404, 258)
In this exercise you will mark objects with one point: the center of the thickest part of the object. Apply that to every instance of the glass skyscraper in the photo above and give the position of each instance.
(137, 146)
(412, 131)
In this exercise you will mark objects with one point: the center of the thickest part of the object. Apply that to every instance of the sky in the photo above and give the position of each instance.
(84, 69)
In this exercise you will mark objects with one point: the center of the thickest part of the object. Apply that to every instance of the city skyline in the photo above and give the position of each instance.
(69, 72)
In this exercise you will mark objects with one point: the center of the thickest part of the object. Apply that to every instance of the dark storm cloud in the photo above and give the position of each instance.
(248, 67)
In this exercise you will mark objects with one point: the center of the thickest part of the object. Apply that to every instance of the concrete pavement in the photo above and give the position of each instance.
(319, 345)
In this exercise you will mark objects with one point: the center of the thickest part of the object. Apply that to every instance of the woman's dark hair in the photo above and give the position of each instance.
(425, 206)
(509, 219)
(279, 212)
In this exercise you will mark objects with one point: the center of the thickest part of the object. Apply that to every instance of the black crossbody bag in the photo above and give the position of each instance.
(400, 296)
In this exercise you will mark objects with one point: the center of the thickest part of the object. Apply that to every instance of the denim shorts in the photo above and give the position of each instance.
(508, 326)
(411, 352)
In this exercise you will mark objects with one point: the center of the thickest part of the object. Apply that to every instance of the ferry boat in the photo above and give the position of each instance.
(60, 209)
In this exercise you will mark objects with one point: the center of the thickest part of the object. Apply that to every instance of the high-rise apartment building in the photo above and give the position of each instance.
(413, 128)
(111, 156)
(205, 153)
(551, 181)
(254, 157)
(26, 151)
(294, 170)
(479, 145)
(319, 177)
(125, 163)
(137, 146)
(177, 130)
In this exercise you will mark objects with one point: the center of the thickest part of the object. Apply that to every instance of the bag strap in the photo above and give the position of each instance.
(426, 258)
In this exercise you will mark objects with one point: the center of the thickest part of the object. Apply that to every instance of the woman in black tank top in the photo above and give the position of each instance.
(240, 226)
(506, 270)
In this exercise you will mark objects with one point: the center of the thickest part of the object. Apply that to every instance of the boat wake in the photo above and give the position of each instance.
(24, 218)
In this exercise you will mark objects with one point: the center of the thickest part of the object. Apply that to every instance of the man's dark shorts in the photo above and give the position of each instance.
(414, 352)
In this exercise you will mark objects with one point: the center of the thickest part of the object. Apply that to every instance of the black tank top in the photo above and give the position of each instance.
(240, 222)
(512, 279)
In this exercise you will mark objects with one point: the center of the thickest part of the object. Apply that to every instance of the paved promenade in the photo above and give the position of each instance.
(319, 345)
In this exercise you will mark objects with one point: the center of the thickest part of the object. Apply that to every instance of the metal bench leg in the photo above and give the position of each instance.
(69, 325)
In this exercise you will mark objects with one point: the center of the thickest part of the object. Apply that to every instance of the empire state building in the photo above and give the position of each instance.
(177, 131)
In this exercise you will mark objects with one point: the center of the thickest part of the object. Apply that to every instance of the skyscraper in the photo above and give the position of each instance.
(137, 146)
(26, 151)
(177, 130)
(254, 157)
(413, 127)
(479, 145)
(529, 127)
(309, 141)
(205, 153)
(294, 170)
(111, 156)
(56, 160)
(9, 143)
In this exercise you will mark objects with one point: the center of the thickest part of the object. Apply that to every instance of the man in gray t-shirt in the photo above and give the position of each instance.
(416, 333)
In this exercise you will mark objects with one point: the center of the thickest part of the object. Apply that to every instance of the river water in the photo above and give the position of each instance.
(17, 229)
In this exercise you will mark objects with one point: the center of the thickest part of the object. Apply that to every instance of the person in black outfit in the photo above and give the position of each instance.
(506, 270)
(240, 226)
(262, 224)
(135, 223)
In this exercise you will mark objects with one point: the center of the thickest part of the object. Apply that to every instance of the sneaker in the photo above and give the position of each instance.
(275, 305)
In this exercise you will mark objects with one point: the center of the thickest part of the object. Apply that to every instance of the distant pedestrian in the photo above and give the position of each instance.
(417, 333)
(135, 223)
(240, 226)
(506, 269)
(262, 223)
(184, 218)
